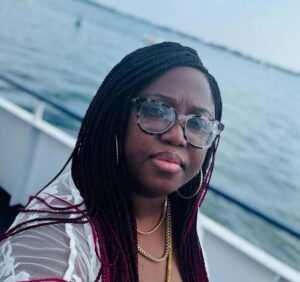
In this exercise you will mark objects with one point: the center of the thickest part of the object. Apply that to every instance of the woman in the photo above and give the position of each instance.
(140, 169)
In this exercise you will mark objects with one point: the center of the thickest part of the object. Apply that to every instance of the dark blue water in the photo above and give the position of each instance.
(63, 50)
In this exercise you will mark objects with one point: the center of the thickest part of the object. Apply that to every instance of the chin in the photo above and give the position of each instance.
(159, 189)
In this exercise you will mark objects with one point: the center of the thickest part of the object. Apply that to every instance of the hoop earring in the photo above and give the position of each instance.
(117, 149)
(196, 192)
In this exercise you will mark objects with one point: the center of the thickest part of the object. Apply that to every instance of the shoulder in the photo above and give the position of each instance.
(62, 193)
(61, 199)
(51, 238)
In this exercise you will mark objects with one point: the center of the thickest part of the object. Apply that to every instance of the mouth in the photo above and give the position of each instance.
(168, 162)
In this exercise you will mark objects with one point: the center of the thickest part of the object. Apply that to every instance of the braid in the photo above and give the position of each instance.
(105, 185)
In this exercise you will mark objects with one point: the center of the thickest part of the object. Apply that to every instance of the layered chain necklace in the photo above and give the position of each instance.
(168, 235)
(158, 224)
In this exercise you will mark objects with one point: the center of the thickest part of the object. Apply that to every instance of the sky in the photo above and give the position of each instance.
(268, 30)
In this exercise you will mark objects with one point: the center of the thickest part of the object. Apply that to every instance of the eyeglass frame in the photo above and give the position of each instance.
(178, 117)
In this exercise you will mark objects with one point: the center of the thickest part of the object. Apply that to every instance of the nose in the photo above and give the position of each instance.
(175, 135)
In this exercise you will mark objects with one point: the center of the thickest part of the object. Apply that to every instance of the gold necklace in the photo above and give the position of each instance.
(168, 240)
(169, 263)
(157, 225)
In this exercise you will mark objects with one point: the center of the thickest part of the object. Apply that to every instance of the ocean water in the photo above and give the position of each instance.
(64, 49)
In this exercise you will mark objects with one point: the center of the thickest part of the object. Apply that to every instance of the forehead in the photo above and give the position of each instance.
(184, 88)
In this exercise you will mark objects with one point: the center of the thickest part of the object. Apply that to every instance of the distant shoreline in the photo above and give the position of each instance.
(193, 37)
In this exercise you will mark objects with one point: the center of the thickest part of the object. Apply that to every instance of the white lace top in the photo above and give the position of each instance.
(64, 251)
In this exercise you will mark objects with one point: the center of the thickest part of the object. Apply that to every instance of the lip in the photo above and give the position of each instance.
(167, 161)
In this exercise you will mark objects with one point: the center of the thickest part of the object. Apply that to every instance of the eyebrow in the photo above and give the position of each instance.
(172, 102)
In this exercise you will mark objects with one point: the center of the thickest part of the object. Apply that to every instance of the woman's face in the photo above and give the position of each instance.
(160, 164)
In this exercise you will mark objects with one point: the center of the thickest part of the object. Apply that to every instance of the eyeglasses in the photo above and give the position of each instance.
(156, 117)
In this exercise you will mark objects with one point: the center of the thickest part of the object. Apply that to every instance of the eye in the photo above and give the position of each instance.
(154, 110)
(197, 123)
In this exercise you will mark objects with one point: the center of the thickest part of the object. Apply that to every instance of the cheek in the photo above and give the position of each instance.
(202, 157)
(136, 142)
(130, 137)
(197, 159)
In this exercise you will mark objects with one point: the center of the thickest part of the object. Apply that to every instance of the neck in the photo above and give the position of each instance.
(147, 207)
(147, 211)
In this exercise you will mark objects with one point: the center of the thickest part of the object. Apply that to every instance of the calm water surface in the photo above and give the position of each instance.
(43, 48)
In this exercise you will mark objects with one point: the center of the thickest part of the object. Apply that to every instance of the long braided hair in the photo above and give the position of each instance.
(104, 184)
